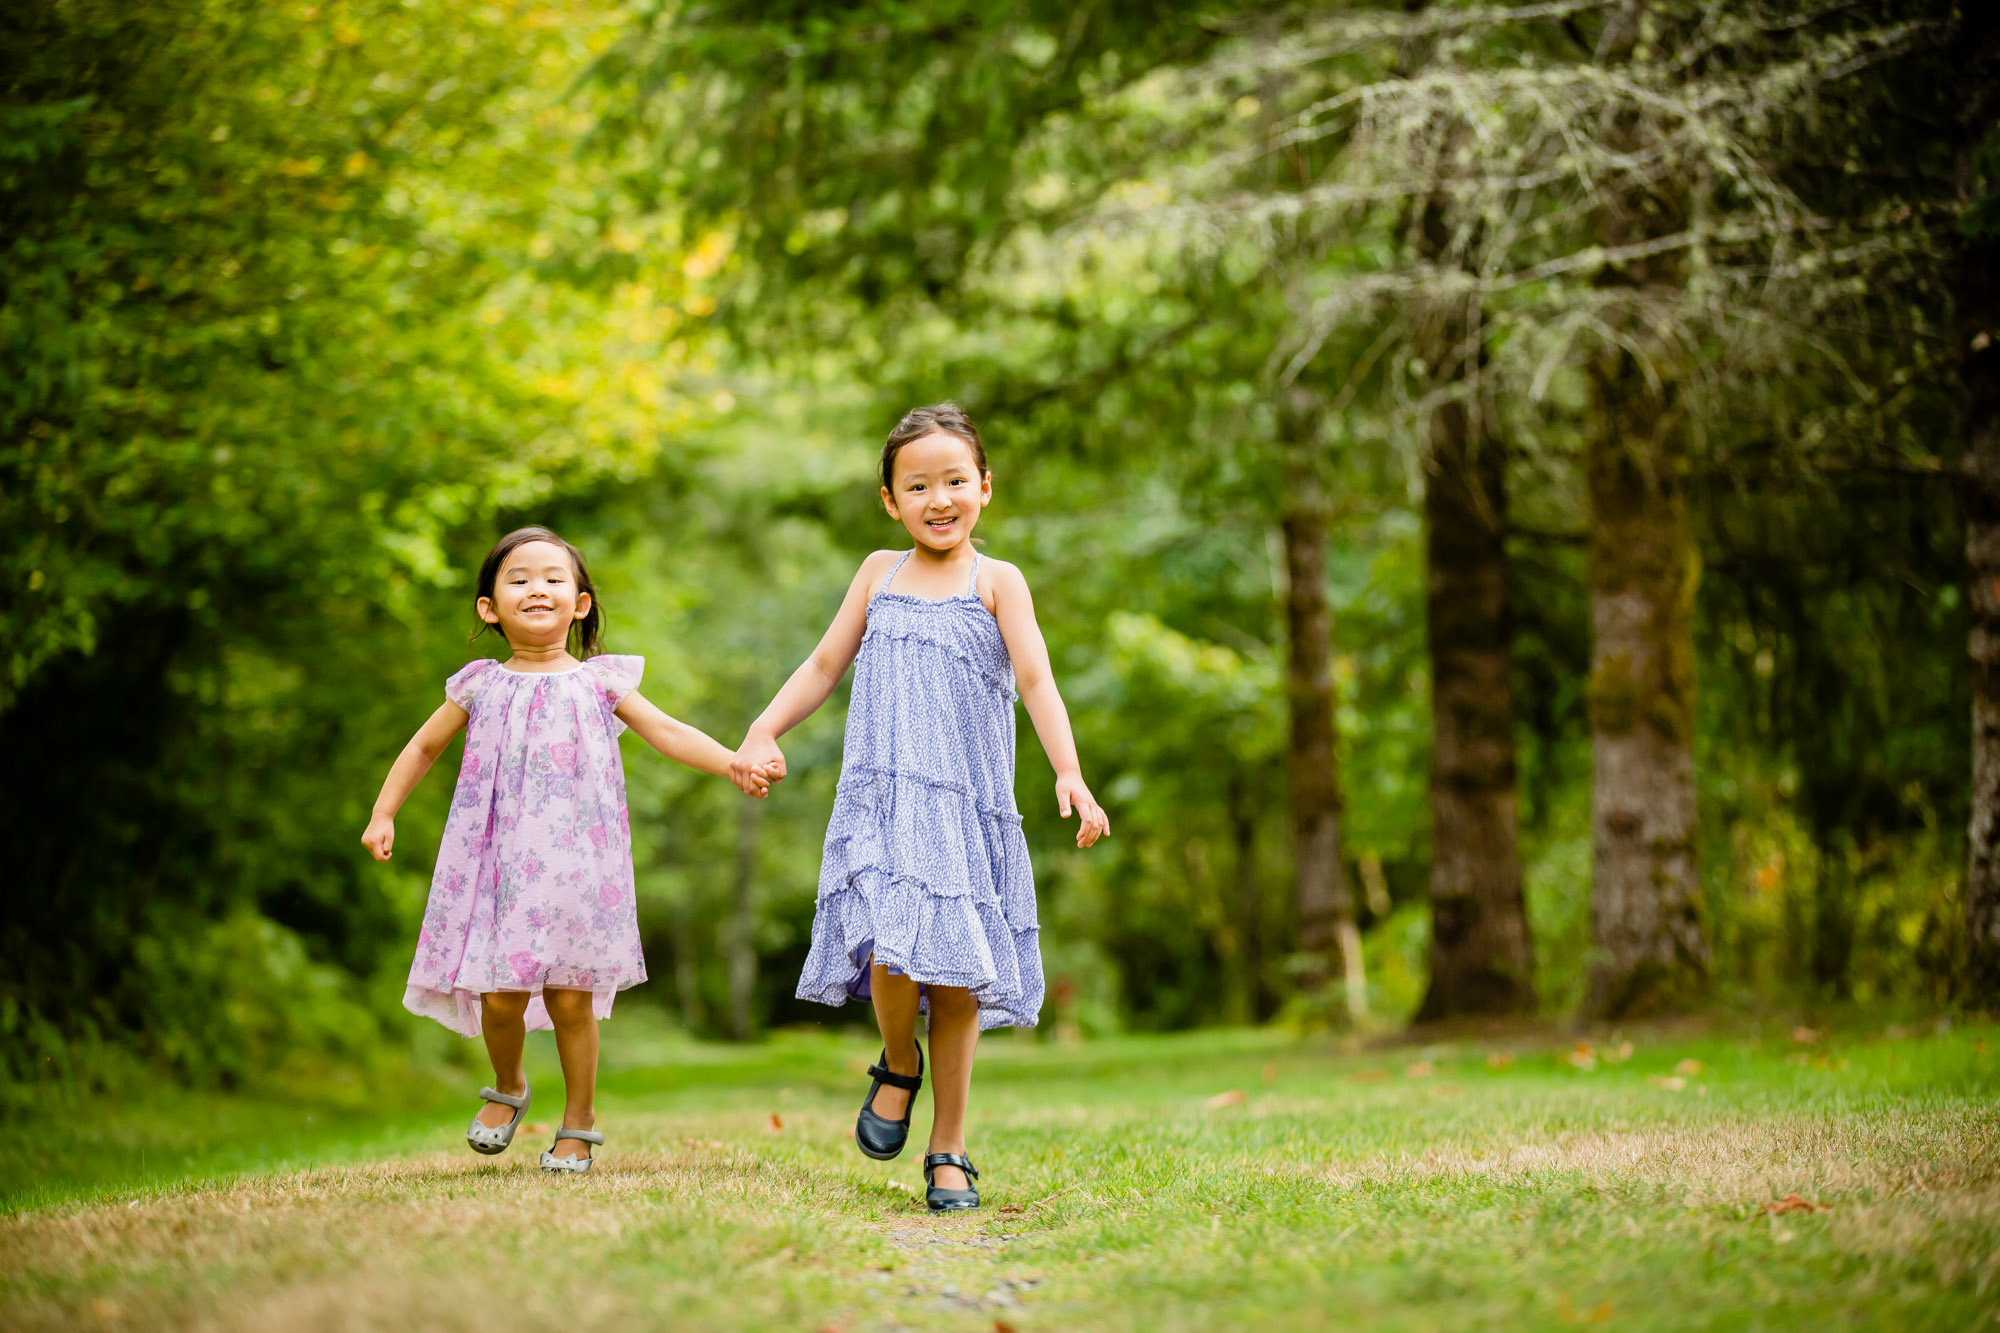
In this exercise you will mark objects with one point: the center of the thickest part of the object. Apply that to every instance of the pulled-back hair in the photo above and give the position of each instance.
(946, 417)
(585, 635)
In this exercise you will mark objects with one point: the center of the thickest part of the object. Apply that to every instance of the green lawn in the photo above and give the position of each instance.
(1222, 1179)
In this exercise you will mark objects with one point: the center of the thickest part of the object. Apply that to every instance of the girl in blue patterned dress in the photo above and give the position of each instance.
(926, 898)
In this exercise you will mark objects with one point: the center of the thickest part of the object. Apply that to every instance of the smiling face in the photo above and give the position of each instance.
(939, 490)
(535, 596)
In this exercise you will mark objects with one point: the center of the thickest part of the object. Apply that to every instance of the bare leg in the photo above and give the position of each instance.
(954, 1030)
(500, 1022)
(576, 1046)
(896, 1014)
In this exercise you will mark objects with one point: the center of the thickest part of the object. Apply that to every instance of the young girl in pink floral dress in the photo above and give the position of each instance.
(532, 921)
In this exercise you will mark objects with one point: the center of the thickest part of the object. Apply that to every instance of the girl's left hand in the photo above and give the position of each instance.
(1070, 791)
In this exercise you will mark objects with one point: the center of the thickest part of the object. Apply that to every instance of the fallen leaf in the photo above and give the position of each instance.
(1671, 1082)
(1270, 1073)
(1370, 1075)
(777, 1122)
(1499, 1060)
(1804, 1036)
(539, 1127)
(1421, 1069)
(1688, 1066)
(1002, 1326)
(1583, 1057)
(1234, 1097)
(1013, 1208)
(1792, 1203)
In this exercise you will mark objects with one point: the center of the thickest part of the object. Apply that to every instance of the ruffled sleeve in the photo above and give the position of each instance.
(464, 688)
(615, 676)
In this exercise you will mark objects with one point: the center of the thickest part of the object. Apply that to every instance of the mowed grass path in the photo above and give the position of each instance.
(1208, 1181)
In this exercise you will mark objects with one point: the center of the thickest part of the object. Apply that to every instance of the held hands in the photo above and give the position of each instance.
(754, 781)
(1071, 791)
(758, 760)
(381, 835)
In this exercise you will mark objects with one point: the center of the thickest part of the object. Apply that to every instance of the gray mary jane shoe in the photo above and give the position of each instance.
(878, 1136)
(950, 1201)
(572, 1165)
(490, 1139)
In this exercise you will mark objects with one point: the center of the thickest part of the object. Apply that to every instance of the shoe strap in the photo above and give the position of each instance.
(489, 1095)
(587, 1135)
(881, 1073)
(884, 1074)
(957, 1159)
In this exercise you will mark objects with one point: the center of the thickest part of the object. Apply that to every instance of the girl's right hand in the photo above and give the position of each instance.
(759, 758)
(380, 837)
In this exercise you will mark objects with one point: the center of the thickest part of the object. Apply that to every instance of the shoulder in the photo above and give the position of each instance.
(875, 569)
(1001, 576)
(617, 675)
(465, 683)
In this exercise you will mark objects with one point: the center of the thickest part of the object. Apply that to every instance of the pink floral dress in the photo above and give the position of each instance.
(533, 886)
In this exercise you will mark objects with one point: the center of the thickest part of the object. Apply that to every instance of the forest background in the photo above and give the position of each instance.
(1507, 487)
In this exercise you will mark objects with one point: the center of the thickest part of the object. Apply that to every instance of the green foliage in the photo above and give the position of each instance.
(301, 306)
(286, 337)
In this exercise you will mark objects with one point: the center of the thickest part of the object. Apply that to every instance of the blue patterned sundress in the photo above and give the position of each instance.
(925, 869)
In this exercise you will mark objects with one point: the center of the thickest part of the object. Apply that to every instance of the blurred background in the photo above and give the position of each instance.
(1492, 476)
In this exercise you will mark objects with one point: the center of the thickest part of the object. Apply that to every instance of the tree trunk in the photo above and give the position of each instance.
(1482, 961)
(1248, 988)
(1652, 955)
(743, 924)
(1976, 322)
(687, 973)
(1325, 908)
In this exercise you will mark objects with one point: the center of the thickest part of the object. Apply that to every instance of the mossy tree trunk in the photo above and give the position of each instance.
(1481, 958)
(1325, 904)
(1976, 292)
(1651, 952)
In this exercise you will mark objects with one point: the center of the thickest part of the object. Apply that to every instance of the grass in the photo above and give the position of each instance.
(1194, 1182)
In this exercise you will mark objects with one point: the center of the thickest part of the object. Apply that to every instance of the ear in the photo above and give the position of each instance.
(985, 489)
(889, 503)
(487, 612)
(582, 605)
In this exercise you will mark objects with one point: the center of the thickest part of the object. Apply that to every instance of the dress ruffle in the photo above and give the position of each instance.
(925, 868)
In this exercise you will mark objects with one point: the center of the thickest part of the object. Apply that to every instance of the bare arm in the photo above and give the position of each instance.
(811, 685)
(408, 770)
(1014, 608)
(684, 744)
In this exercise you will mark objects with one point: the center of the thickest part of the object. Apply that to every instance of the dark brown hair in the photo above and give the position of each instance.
(921, 421)
(585, 635)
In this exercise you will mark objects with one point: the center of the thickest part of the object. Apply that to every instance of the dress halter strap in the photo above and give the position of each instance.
(972, 584)
(895, 569)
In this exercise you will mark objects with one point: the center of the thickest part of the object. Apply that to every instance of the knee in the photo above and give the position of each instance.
(505, 1006)
(569, 1008)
